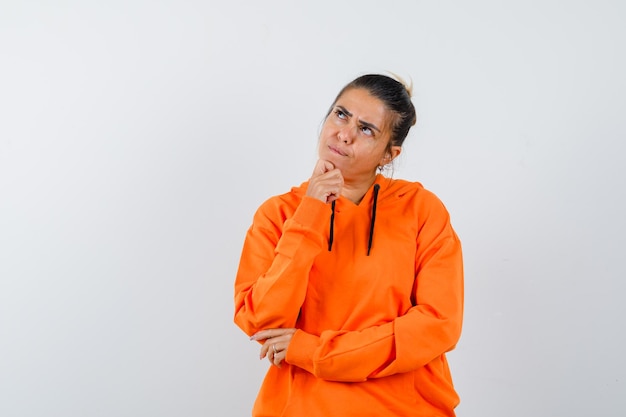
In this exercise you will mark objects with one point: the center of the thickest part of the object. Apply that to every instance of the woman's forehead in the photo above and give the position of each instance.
(362, 104)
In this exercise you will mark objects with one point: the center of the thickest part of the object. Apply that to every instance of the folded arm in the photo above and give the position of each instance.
(275, 262)
(426, 331)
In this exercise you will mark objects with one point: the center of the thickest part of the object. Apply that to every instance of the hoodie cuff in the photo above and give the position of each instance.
(304, 231)
(312, 213)
(301, 350)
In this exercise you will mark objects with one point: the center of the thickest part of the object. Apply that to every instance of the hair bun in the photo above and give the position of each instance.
(407, 86)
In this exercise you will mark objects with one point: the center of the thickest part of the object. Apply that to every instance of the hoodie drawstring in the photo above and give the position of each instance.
(332, 226)
(372, 222)
(369, 242)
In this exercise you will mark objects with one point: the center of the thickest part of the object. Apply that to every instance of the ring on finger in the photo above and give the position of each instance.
(275, 351)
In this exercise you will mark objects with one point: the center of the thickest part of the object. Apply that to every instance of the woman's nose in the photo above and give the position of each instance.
(346, 134)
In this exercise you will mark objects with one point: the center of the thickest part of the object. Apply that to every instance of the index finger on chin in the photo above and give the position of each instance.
(322, 166)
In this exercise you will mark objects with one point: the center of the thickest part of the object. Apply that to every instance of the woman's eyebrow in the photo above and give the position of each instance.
(366, 124)
(344, 110)
(369, 125)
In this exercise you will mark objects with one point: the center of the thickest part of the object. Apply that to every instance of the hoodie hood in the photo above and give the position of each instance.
(383, 189)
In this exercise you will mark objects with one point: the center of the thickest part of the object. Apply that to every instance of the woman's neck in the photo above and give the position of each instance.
(356, 190)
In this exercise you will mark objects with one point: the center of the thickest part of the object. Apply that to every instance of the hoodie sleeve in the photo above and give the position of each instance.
(425, 332)
(274, 267)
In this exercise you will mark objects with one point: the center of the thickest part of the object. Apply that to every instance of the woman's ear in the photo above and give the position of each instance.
(390, 155)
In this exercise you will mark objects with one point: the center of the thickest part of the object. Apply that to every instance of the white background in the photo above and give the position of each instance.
(138, 137)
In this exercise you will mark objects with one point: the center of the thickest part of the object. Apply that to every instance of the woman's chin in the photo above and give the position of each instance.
(333, 159)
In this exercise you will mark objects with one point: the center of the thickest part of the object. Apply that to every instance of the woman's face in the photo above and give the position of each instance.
(356, 133)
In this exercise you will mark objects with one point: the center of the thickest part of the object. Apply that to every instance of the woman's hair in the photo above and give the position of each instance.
(396, 97)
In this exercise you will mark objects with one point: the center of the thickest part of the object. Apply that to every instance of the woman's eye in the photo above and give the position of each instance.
(340, 114)
(366, 130)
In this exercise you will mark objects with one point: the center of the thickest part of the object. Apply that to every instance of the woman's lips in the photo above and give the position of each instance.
(337, 151)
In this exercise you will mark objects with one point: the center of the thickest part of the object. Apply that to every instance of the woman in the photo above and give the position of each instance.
(353, 282)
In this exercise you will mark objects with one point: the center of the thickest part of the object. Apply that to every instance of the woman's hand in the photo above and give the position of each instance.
(275, 345)
(326, 182)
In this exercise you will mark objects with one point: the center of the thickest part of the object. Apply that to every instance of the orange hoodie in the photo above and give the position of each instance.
(372, 329)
